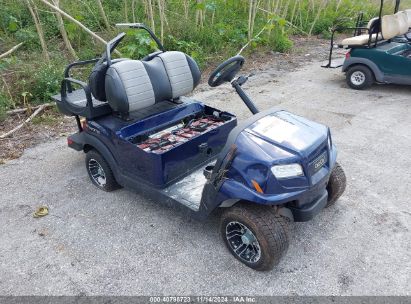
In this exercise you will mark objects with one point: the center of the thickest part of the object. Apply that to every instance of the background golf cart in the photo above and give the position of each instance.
(379, 51)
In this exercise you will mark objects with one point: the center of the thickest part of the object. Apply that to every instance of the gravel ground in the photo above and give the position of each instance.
(119, 243)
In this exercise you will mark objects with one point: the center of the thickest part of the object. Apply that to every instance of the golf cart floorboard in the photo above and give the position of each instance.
(188, 191)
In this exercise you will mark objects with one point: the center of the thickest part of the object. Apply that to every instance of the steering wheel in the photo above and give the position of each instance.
(226, 71)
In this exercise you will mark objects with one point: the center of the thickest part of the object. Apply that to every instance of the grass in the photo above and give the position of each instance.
(48, 119)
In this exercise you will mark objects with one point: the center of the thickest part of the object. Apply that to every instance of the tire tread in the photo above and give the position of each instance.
(273, 227)
(336, 184)
(369, 77)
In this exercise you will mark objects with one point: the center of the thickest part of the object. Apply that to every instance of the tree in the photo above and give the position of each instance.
(63, 32)
(103, 14)
(33, 11)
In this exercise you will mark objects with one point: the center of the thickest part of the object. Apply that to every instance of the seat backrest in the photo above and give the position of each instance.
(128, 86)
(97, 78)
(132, 85)
(408, 13)
(390, 26)
(403, 22)
(182, 71)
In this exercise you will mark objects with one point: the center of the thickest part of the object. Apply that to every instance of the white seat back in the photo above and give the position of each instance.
(403, 22)
(390, 26)
(408, 13)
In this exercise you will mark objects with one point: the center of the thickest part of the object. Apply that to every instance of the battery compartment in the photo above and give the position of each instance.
(164, 139)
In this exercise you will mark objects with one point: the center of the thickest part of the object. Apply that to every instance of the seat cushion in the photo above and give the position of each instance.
(128, 86)
(360, 40)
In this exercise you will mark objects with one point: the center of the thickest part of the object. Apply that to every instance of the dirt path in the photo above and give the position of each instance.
(120, 243)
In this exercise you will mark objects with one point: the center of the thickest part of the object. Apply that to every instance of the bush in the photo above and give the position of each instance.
(5, 104)
(280, 43)
(44, 82)
(191, 48)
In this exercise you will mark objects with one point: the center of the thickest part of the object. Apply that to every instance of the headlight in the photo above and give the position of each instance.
(285, 171)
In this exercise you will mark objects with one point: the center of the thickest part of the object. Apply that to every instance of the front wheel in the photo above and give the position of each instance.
(336, 184)
(255, 236)
(359, 77)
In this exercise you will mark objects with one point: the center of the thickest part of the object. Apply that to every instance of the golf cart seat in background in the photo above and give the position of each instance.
(408, 13)
(360, 40)
(403, 22)
(391, 26)
(134, 85)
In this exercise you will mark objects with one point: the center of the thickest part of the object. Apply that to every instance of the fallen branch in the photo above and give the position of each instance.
(14, 48)
(22, 110)
(252, 39)
(35, 113)
(81, 25)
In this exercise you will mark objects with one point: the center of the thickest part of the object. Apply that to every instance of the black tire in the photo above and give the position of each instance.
(359, 77)
(269, 229)
(95, 159)
(336, 184)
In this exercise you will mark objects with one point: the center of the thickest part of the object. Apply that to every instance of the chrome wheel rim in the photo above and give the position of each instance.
(243, 242)
(97, 173)
(358, 78)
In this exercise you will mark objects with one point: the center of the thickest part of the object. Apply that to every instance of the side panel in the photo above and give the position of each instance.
(379, 76)
(390, 62)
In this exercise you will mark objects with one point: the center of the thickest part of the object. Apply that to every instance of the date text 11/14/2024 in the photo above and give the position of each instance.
(203, 299)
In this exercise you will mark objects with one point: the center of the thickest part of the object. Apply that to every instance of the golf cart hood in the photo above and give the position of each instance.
(292, 134)
(274, 138)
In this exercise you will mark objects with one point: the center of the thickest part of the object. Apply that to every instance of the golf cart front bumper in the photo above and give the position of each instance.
(309, 210)
(304, 204)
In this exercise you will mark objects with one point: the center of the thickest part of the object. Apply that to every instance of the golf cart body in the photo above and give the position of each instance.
(137, 126)
(381, 50)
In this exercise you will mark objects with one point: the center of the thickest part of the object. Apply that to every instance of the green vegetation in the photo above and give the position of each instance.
(45, 119)
(208, 30)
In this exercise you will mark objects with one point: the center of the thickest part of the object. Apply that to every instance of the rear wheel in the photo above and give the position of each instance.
(336, 184)
(255, 235)
(100, 172)
(359, 77)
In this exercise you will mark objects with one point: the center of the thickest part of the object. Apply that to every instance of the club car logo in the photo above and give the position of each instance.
(319, 162)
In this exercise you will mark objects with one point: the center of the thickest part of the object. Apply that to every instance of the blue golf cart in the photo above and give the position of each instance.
(139, 132)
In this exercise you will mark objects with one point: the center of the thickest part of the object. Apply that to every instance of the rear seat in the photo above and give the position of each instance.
(133, 85)
(391, 26)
